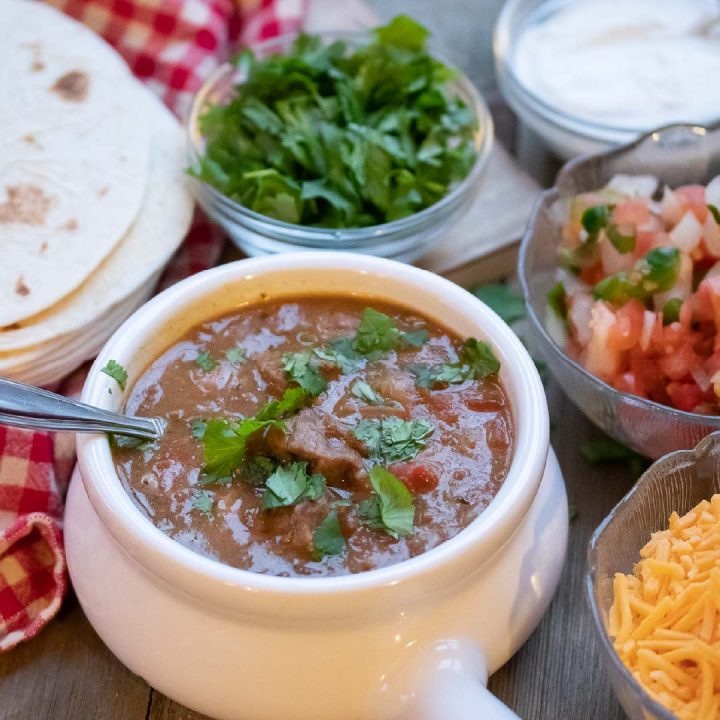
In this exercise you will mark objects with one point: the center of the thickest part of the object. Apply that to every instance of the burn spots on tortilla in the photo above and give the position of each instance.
(21, 288)
(25, 204)
(70, 225)
(37, 66)
(72, 86)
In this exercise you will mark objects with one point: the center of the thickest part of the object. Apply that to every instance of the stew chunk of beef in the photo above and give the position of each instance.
(314, 436)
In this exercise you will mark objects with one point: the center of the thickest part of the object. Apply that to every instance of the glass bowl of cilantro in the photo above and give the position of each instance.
(360, 141)
(618, 377)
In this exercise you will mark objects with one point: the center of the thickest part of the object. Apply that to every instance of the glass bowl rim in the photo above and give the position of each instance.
(591, 572)
(577, 124)
(545, 198)
(483, 140)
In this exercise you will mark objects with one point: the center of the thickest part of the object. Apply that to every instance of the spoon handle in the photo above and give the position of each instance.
(32, 407)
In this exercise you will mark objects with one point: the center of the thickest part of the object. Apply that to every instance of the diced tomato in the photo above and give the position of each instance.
(628, 326)
(680, 363)
(644, 241)
(684, 396)
(417, 478)
(631, 212)
(592, 275)
(629, 383)
(692, 198)
(442, 406)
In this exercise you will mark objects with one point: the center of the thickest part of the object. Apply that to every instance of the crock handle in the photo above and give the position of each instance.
(455, 686)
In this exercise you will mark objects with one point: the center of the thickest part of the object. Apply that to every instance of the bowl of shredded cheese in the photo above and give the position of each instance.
(653, 584)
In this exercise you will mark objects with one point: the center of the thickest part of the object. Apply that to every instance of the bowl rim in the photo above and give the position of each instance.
(484, 140)
(579, 125)
(544, 199)
(691, 455)
(181, 566)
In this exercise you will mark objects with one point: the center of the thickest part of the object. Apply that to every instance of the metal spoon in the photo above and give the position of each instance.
(31, 407)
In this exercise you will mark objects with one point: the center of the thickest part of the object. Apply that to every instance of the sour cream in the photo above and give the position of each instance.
(633, 64)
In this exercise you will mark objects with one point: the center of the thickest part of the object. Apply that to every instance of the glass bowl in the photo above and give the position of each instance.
(404, 239)
(677, 482)
(566, 134)
(676, 155)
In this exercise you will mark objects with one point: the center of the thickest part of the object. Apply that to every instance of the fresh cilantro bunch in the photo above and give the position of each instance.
(334, 135)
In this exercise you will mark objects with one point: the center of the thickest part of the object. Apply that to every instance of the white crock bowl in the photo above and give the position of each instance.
(414, 640)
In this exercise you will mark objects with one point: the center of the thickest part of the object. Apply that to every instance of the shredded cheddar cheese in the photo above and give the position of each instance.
(664, 618)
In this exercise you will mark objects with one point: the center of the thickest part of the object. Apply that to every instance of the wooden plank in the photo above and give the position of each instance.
(557, 673)
(162, 708)
(66, 673)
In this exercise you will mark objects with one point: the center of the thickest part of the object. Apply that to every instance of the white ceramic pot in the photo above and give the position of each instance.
(414, 640)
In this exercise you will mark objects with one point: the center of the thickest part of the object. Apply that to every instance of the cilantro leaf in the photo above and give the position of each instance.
(290, 485)
(225, 441)
(236, 356)
(327, 537)
(117, 372)
(202, 501)
(392, 439)
(415, 338)
(299, 368)
(506, 302)
(341, 354)
(198, 428)
(362, 390)
(377, 333)
(206, 361)
(392, 508)
(480, 358)
(403, 32)
(476, 361)
(606, 449)
(125, 441)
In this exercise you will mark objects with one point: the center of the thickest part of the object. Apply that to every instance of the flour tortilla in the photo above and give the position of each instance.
(74, 155)
(151, 241)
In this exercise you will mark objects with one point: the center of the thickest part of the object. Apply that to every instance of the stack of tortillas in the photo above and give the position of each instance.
(93, 198)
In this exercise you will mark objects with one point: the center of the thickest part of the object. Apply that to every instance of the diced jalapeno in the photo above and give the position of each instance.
(617, 289)
(557, 300)
(659, 269)
(623, 243)
(671, 311)
(595, 218)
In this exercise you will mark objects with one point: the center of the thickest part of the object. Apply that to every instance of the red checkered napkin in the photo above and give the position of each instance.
(172, 45)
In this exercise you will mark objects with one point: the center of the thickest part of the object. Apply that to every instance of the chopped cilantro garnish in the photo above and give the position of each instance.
(392, 439)
(117, 372)
(290, 485)
(256, 470)
(236, 356)
(376, 334)
(334, 135)
(197, 428)
(606, 449)
(340, 353)
(327, 537)
(202, 501)
(125, 441)
(300, 368)
(415, 338)
(206, 361)
(476, 360)
(501, 298)
(392, 508)
(225, 440)
(362, 390)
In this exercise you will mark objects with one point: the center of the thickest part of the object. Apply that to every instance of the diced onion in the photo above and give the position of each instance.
(712, 192)
(687, 234)
(671, 207)
(701, 378)
(579, 314)
(649, 320)
(634, 185)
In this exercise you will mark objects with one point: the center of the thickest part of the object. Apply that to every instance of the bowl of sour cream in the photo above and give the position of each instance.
(586, 75)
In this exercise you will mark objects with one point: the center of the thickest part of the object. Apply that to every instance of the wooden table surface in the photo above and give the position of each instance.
(66, 673)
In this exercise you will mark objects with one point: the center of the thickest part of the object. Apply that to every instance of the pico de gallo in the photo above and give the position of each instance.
(637, 302)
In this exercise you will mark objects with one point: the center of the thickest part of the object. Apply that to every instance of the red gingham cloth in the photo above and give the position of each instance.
(172, 45)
